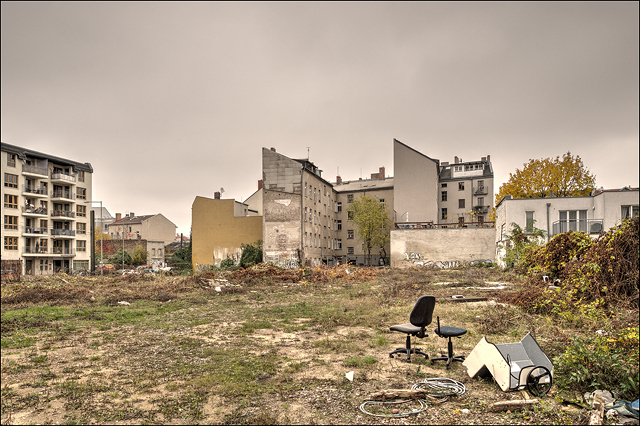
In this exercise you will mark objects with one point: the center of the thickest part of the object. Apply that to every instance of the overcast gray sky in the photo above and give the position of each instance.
(169, 101)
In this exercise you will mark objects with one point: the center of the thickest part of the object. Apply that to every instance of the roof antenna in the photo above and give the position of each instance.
(308, 152)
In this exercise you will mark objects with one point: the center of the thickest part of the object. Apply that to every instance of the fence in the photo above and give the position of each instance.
(11, 270)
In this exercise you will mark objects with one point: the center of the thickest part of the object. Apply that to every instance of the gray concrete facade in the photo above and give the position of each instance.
(441, 247)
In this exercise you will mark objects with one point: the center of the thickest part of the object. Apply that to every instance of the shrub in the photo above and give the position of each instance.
(227, 264)
(251, 254)
(608, 361)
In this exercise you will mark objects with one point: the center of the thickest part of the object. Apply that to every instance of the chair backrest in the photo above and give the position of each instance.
(422, 312)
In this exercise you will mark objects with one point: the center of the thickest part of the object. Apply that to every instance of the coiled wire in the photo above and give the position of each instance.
(438, 389)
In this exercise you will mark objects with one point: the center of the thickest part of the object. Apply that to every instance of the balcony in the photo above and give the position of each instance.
(35, 251)
(481, 190)
(70, 233)
(34, 211)
(62, 177)
(33, 191)
(64, 214)
(63, 251)
(66, 195)
(31, 231)
(34, 170)
(481, 209)
(590, 226)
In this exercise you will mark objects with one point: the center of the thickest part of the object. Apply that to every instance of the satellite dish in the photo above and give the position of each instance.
(222, 190)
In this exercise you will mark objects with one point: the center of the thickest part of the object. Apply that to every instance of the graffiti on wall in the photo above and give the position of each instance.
(416, 259)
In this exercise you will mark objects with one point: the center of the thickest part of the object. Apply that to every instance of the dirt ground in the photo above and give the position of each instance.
(213, 350)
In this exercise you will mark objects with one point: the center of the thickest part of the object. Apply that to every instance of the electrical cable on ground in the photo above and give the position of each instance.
(438, 389)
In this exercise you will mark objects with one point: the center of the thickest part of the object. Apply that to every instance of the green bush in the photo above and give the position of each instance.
(227, 264)
(251, 254)
(608, 361)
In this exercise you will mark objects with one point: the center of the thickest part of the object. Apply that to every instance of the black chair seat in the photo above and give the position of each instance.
(406, 328)
(448, 331)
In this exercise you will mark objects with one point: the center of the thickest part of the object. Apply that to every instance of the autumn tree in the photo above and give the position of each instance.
(372, 223)
(559, 177)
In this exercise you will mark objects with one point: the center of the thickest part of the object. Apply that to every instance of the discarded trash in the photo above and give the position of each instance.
(457, 296)
(218, 289)
(124, 303)
(349, 376)
(437, 389)
(514, 366)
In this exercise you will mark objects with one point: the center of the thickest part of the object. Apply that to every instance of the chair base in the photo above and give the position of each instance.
(450, 357)
(408, 350)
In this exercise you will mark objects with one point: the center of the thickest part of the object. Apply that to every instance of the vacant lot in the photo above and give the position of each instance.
(255, 348)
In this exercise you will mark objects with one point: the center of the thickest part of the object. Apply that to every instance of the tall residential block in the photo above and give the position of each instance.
(45, 211)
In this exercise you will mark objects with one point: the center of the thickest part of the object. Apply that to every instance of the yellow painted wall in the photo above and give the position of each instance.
(216, 233)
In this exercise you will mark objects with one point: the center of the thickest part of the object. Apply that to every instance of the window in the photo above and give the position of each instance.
(153, 252)
(481, 201)
(11, 243)
(338, 244)
(350, 198)
(305, 214)
(350, 234)
(382, 200)
(80, 265)
(305, 190)
(81, 245)
(573, 220)
(339, 222)
(480, 218)
(11, 222)
(350, 250)
(461, 220)
(461, 203)
(529, 221)
(10, 181)
(11, 160)
(339, 206)
(82, 193)
(81, 211)
(460, 186)
(81, 228)
(444, 196)
(350, 215)
(11, 201)
(444, 214)
(444, 185)
(159, 252)
(629, 211)
(81, 176)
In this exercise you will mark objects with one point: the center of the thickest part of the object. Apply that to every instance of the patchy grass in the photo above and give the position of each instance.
(272, 347)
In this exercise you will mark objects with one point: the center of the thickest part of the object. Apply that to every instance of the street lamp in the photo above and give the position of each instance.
(101, 232)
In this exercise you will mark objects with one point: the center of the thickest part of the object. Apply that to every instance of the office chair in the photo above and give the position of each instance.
(421, 316)
(449, 332)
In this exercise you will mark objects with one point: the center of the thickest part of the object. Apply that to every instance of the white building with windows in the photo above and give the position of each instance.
(593, 214)
(44, 211)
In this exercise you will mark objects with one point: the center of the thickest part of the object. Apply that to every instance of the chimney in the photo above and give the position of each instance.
(483, 158)
(118, 216)
(338, 180)
(132, 215)
(381, 173)
(273, 149)
(216, 195)
(489, 158)
(445, 163)
(260, 183)
(455, 160)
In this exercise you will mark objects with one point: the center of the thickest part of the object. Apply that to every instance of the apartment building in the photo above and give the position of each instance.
(430, 193)
(46, 200)
(156, 229)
